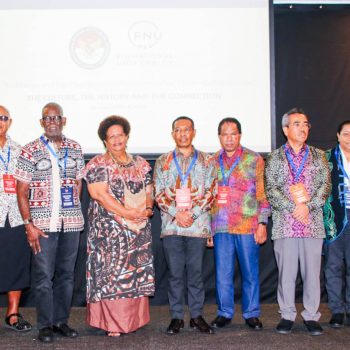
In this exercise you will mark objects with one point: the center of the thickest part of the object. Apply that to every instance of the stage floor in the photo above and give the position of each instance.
(153, 336)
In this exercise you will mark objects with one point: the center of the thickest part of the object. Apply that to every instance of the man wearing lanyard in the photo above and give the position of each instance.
(297, 183)
(239, 218)
(49, 172)
(336, 218)
(184, 183)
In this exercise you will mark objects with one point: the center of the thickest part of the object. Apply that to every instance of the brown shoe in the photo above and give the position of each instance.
(200, 324)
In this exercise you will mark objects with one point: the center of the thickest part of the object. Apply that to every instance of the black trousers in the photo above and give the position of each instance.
(185, 255)
(337, 272)
(53, 277)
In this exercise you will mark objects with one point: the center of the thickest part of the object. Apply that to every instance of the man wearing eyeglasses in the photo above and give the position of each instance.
(49, 173)
(184, 183)
(297, 183)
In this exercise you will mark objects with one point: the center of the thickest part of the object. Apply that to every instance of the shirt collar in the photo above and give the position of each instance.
(291, 151)
(47, 140)
(237, 153)
(7, 143)
(179, 154)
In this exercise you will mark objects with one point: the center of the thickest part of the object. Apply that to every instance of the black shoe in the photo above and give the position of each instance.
(65, 330)
(347, 320)
(21, 325)
(337, 321)
(254, 323)
(284, 326)
(200, 324)
(313, 327)
(175, 326)
(220, 322)
(46, 335)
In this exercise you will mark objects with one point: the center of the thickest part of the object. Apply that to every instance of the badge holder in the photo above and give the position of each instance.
(67, 197)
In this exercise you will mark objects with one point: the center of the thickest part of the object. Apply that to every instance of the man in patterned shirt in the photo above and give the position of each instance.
(184, 183)
(239, 218)
(297, 184)
(49, 173)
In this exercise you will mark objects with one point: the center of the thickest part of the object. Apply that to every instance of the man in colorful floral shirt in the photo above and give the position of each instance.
(49, 173)
(297, 184)
(184, 184)
(239, 219)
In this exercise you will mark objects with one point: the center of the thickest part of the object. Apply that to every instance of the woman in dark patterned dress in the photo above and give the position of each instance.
(120, 274)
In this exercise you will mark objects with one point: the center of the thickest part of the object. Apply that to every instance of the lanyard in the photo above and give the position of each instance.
(6, 164)
(340, 165)
(184, 177)
(224, 177)
(291, 163)
(52, 151)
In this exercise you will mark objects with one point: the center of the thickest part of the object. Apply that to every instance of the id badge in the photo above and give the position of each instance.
(9, 184)
(67, 197)
(183, 198)
(222, 196)
(299, 194)
(347, 195)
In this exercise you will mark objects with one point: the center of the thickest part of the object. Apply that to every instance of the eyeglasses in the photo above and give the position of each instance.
(51, 118)
(4, 118)
(299, 124)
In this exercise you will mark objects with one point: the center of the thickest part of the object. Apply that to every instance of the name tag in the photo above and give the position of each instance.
(183, 198)
(222, 196)
(299, 194)
(347, 195)
(67, 197)
(9, 184)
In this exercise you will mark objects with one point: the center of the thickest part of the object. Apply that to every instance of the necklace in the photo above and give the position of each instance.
(118, 161)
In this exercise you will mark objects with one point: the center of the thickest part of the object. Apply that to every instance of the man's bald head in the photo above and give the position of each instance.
(4, 111)
(52, 105)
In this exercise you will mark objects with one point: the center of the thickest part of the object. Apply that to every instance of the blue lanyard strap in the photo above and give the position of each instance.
(291, 163)
(8, 159)
(340, 165)
(224, 177)
(52, 151)
(184, 177)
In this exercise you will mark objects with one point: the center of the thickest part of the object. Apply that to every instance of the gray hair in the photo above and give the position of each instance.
(285, 117)
(52, 105)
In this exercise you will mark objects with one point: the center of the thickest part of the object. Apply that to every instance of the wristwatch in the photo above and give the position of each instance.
(27, 221)
(263, 223)
(151, 209)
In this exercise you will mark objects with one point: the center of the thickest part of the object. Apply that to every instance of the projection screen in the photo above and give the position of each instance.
(149, 63)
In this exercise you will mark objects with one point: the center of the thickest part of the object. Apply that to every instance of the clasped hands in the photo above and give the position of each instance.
(137, 215)
(301, 213)
(184, 218)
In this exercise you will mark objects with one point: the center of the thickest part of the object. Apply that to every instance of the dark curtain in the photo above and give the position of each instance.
(312, 65)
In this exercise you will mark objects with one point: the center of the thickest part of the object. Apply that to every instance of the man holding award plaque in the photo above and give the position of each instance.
(297, 184)
(184, 184)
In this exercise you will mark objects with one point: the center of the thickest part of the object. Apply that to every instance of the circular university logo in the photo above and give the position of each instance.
(144, 34)
(89, 48)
